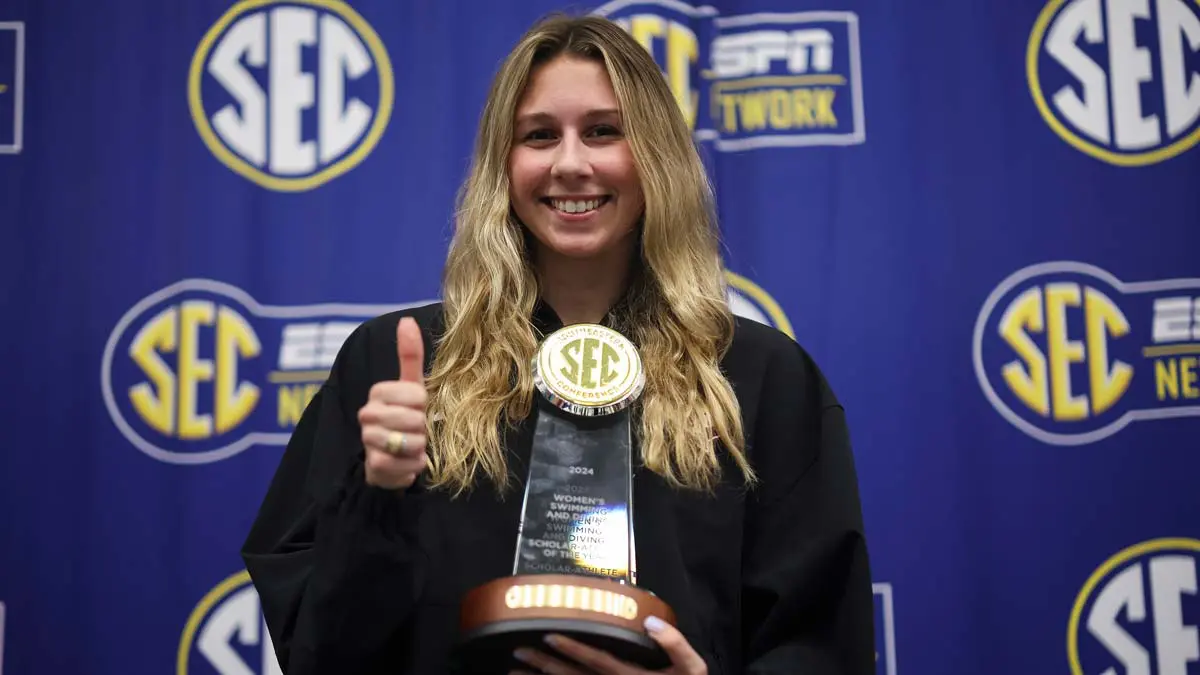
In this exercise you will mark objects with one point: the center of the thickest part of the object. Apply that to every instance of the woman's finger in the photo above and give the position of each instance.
(392, 471)
(546, 664)
(376, 437)
(597, 660)
(396, 417)
(683, 657)
(396, 392)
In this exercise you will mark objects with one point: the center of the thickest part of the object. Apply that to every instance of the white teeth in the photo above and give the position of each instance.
(568, 206)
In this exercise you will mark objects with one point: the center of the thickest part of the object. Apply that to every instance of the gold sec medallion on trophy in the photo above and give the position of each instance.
(588, 369)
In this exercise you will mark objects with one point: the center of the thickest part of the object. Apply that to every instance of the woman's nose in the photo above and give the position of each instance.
(571, 159)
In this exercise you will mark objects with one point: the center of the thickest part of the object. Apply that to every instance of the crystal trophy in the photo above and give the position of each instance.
(574, 568)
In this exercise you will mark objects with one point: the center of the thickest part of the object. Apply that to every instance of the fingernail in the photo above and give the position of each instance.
(552, 640)
(522, 655)
(654, 624)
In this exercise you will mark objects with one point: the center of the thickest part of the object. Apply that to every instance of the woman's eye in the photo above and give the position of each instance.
(539, 135)
(606, 130)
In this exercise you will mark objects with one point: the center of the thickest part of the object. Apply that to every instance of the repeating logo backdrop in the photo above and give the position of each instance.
(981, 221)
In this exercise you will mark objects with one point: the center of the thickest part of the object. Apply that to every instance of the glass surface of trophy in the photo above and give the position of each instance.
(574, 568)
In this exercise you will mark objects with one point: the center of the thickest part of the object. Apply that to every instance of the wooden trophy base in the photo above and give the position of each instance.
(519, 611)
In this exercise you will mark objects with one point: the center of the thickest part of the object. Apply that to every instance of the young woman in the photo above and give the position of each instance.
(401, 488)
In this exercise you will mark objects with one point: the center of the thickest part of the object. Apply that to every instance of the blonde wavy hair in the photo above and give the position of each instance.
(675, 309)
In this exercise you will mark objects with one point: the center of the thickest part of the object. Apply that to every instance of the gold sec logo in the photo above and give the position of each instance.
(1116, 80)
(590, 365)
(1070, 354)
(200, 371)
(273, 118)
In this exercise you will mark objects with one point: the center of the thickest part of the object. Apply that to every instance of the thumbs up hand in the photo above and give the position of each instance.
(393, 419)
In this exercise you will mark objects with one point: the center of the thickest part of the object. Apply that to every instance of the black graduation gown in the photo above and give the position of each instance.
(356, 579)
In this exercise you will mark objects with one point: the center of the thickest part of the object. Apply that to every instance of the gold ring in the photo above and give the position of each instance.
(397, 442)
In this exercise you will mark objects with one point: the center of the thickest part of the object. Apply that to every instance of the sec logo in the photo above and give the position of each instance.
(750, 301)
(1070, 354)
(226, 633)
(1116, 80)
(1136, 614)
(273, 117)
(200, 371)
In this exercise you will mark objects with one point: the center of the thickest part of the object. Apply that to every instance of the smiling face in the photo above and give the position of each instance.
(572, 177)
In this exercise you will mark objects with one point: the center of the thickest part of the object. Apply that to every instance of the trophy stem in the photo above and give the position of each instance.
(577, 512)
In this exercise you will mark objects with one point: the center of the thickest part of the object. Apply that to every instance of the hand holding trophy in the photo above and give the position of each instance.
(575, 571)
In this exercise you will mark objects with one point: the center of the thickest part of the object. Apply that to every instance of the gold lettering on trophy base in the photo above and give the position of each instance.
(558, 596)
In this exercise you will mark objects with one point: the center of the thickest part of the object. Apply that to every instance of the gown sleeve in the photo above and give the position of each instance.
(807, 599)
(332, 558)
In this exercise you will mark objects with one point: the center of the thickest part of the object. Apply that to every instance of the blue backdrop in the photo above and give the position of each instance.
(981, 218)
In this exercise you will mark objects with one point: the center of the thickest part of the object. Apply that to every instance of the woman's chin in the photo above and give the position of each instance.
(579, 247)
